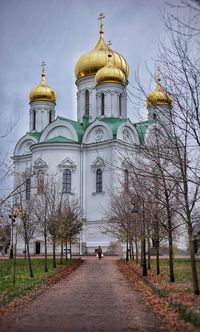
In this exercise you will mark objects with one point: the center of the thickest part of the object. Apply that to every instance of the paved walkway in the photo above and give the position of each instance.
(95, 298)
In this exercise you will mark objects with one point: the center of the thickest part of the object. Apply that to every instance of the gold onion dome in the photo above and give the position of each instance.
(110, 74)
(43, 91)
(89, 63)
(159, 95)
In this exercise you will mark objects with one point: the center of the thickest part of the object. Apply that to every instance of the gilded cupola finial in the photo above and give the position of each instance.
(100, 18)
(43, 70)
(159, 96)
(43, 91)
(158, 79)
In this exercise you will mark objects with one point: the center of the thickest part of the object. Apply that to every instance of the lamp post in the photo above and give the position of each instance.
(12, 217)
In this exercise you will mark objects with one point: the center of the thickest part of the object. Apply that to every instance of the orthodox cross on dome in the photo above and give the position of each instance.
(100, 18)
(43, 70)
(158, 74)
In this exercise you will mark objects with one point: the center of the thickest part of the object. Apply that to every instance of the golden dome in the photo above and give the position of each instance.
(43, 91)
(159, 96)
(89, 63)
(110, 74)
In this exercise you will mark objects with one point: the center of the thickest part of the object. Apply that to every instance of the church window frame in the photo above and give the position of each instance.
(102, 104)
(67, 181)
(99, 180)
(40, 181)
(87, 102)
(28, 189)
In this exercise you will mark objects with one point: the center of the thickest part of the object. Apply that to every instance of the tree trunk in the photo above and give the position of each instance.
(141, 253)
(144, 262)
(136, 251)
(66, 256)
(70, 248)
(149, 253)
(193, 263)
(157, 259)
(61, 253)
(45, 253)
(29, 259)
(171, 256)
(127, 246)
(54, 254)
(131, 250)
(24, 249)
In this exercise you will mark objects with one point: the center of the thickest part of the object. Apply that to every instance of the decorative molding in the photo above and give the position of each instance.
(67, 163)
(98, 134)
(98, 162)
(126, 133)
(40, 164)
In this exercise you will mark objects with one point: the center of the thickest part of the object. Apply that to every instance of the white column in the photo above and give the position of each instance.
(78, 105)
(30, 120)
(115, 110)
(107, 103)
(98, 104)
(82, 103)
(124, 105)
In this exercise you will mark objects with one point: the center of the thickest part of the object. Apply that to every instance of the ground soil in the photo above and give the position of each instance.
(94, 298)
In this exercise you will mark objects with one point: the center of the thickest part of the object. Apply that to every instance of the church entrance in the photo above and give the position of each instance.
(37, 248)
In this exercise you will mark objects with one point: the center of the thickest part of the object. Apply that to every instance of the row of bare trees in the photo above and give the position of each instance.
(55, 216)
(164, 181)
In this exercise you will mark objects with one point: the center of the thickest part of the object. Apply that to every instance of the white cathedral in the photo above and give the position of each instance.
(83, 153)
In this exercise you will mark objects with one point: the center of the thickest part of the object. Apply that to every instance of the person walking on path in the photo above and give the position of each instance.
(99, 252)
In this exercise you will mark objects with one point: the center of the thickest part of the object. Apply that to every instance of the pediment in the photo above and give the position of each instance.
(67, 163)
(98, 162)
(40, 164)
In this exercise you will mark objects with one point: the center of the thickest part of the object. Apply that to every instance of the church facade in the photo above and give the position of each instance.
(86, 156)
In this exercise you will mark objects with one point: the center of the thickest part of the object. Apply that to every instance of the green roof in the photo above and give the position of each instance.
(141, 128)
(60, 139)
(114, 123)
(36, 134)
(77, 126)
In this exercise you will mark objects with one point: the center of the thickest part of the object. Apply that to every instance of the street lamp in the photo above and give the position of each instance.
(12, 217)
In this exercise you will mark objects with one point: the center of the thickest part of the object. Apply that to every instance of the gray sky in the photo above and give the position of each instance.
(59, 32)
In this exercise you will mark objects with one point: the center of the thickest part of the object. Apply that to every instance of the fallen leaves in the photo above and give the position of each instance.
(160, 305)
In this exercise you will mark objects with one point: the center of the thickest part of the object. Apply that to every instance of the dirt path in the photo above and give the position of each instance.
(95, 298)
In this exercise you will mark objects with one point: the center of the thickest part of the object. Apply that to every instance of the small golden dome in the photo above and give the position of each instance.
(159, 96)
(89, 63)
(42, 91)
(110, 74)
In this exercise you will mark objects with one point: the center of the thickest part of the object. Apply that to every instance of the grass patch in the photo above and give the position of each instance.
(182, 269)
(24, 283)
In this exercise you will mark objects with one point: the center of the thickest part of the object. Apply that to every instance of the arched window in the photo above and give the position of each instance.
(99, 181)
(67, 176)
(28, 189)
(87, 103)
(120, 104)
(34, 119)
(154, 116)
(40, 182)
(102, 104)
(126, 179)
(50, 116)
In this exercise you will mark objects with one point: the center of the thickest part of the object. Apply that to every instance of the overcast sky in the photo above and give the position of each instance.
(59, 32)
